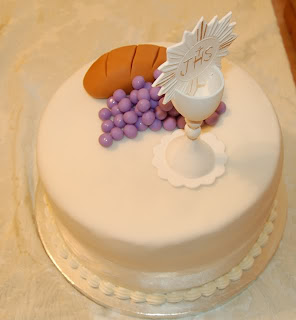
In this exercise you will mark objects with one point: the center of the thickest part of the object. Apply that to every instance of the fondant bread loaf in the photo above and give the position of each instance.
(117, 68)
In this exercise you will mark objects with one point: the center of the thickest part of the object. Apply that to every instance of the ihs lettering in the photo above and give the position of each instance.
(201, 56)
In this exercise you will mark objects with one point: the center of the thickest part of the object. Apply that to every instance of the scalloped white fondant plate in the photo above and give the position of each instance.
(178, 180)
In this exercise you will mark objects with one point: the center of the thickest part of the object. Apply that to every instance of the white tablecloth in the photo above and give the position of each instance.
(41, 44)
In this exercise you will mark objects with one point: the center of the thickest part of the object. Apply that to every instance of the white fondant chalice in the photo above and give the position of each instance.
(192, 79)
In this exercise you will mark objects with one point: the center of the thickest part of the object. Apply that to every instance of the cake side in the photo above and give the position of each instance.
(138, 221)
(92, 281)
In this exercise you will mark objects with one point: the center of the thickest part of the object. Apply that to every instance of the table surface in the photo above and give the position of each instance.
(44, 42)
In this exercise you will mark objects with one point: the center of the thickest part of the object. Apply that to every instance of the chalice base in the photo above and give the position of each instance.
(190, 158)
(189, 163)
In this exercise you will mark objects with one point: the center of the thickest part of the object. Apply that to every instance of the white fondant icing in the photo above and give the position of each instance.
(256, 250)
(63, 253)
(208, 289)
(175, 297)
(247, 263)
(94, 282)
(235, 273)
(191, 294)
(73, 264)
(83, 273)
(107, 288)
(273, 215)
(111, 205)
(155, 299)
(263, 239)
(268, 227)
(138, 297)
(222, 282)
(122, 293)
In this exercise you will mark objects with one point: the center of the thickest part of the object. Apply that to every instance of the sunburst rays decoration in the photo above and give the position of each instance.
(189, 59)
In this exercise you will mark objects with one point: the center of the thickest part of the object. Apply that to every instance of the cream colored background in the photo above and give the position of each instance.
(41, 44)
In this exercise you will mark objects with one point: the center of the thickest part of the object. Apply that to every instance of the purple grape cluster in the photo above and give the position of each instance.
(142, 109)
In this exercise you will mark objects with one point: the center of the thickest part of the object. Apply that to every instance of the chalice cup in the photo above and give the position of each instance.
(195, 106)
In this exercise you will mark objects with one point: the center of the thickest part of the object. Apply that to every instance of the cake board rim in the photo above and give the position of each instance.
(45, 225)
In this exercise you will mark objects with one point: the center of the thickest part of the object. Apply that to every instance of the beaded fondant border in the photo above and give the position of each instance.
(189, 295)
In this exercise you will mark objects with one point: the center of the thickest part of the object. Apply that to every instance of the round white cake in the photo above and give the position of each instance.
(137, 231)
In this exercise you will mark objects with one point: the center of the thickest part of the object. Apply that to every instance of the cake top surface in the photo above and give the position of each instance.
(117, 192)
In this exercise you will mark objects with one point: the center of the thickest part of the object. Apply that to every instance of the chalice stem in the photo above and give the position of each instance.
(192, 129)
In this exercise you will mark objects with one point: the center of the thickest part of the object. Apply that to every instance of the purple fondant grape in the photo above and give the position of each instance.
(143, 94)
(148, 118)
(118, 121)
(138, 112)
(160, 114)
(143, 105)
(153, 103)
(165, 107)
(111, 102)
(105, 140)
(107, 125)
(125, 105)
(221, 108)
(173, 112)
(115, 110)
(130, 131)
(154, 93)
(148, 86)
(140, 125)
(169, 123)
(130, 117)
(156, 125)
(138, 82)
(117, 133)
(156, 73)
(212, 119)
(119, 94)
(181, 122)
(134, 96)
(105, 114)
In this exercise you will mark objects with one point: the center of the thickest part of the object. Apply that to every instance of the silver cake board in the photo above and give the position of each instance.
(73, 272)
